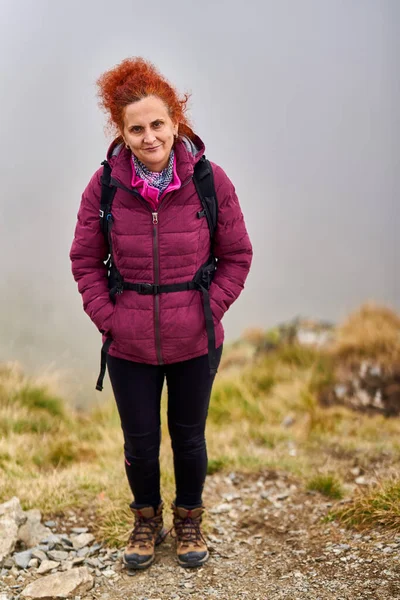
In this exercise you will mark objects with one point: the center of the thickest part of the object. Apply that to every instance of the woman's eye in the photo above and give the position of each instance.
(136, 129)
(157, 124)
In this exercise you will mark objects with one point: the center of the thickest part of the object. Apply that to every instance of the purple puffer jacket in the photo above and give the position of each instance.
(162, 248)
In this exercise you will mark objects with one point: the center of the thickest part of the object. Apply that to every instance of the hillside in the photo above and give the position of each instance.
(303, 444)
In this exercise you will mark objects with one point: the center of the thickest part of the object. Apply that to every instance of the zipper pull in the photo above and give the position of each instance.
(155, 218)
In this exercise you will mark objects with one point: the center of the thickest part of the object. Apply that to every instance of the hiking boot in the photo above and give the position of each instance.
(147, 533)
(191, 547)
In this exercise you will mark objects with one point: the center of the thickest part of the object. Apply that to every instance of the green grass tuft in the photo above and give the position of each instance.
(327, 485)
(38, 398)
(217, 464)
(376, 506)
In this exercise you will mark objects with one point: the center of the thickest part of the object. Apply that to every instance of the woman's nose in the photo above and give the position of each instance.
(149, 137)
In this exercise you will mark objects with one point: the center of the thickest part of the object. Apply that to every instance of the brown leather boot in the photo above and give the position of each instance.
(191, 547)
(148, 532)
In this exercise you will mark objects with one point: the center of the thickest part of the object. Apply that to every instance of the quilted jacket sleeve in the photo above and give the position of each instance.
(87, 255)
(232, 247)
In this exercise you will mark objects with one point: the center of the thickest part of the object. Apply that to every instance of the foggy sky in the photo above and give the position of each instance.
(298, 101)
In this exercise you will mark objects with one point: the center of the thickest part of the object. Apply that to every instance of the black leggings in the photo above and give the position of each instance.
(137, 389)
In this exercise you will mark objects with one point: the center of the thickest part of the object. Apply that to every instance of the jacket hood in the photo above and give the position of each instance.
(187, 152)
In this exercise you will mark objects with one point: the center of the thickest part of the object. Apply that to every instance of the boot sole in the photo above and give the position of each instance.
(137, 567)
(192, 565)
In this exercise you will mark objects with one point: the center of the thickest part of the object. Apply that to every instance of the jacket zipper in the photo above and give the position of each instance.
(157, 282)
(156, 261)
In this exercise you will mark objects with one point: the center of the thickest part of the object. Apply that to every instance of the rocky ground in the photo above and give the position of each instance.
(266, 539)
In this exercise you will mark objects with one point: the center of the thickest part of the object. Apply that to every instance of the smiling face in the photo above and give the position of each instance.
(149, 132)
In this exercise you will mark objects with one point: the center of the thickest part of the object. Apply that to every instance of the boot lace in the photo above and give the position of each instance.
(144, 531)
(187, 532)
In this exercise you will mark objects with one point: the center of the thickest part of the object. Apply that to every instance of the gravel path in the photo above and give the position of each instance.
(267, 542)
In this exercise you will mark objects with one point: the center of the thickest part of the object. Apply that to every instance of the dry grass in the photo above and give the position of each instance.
(53, 458)
(372, 332)
(379, 505)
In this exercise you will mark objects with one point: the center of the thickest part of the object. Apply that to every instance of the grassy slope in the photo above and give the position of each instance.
(52, 458)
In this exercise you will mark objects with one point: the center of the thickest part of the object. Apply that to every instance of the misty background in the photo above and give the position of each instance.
(298, 101)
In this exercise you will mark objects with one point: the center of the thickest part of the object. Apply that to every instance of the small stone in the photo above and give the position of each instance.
(36, 553)
(51, 539)
(79, 530)
(22, 559)
(8, 563)
(8, 536)
(361, 480)
(47, 565)
(12, 510)
(94, 549)
(66, 541)
(388, 550)
(288, 421)
(57, 555)
(33, 563)
(82, 540)
(78, 560)
(282, 496)
(221, 508)
(83, 551)
(109, 573)
(50, 524)
(60, 585)
(92, 562)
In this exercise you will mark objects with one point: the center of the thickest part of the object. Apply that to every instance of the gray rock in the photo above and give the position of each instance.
(50, 524)
(79, 530)
(8, 537)
(36, 553)
(288, 421)
(47, 565)
(78, 560)
(82, 540)
(92, 562)
(94, 549)
(33, 532)
(4, 596)
(57, 555)
(60, 585)
(51, 539)
(12, 510)
(83, 551)
(109, 573)
(22, 559)
(66, 541)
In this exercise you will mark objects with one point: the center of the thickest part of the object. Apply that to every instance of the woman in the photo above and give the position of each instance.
(162, 316)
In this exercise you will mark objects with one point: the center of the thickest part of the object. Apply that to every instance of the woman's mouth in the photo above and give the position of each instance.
(152, 149)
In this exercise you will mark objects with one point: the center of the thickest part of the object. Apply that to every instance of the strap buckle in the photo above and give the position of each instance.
(148, 289)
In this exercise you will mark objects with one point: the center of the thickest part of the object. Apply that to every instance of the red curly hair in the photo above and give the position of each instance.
(133, 79)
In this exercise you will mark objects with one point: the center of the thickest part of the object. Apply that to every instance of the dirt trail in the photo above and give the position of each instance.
(267, 542)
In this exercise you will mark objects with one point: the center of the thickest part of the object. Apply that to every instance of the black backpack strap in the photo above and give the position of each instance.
(203, 179)
(107, 197)
(103, 363)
